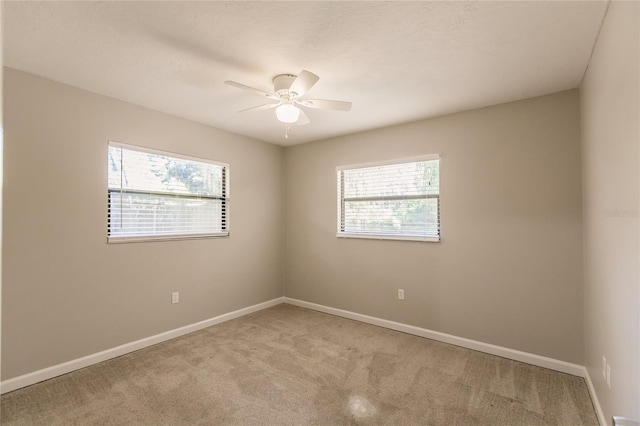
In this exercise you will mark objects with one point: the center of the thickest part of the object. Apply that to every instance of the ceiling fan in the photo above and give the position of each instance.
(288, 90)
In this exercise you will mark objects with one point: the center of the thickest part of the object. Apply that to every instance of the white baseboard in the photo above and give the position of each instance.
(69, 366)
(594, 398)
(540, 361)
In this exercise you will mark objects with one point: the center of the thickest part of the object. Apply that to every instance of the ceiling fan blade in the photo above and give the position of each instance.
(303, 82)
(260, 107)
(252, 89)
(303, 119)
(326, 104)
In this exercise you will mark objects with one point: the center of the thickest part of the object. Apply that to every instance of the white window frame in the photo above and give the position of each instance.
(147, 238)
(340, 200)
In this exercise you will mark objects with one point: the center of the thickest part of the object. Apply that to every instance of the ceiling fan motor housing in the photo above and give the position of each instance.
(282, 83)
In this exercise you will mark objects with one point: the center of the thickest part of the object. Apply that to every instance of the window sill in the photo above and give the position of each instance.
(148, 239)
(389, 237)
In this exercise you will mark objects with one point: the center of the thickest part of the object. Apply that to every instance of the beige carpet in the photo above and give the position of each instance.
(287, 365)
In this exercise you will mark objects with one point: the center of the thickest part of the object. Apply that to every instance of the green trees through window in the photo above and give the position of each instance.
(393, 200)
(158, 195)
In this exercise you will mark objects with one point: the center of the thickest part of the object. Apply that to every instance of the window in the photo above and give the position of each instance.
(392, 200)
(157, 195)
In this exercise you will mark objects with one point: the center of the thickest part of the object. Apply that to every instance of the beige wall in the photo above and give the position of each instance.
(1, 172)
(610, 116)
(66, 293)
(508, 269)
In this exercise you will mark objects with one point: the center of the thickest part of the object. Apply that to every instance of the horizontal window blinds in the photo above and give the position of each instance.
(390, 200)
(156, 195)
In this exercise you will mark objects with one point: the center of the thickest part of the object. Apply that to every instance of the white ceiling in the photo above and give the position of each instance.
(396, 61)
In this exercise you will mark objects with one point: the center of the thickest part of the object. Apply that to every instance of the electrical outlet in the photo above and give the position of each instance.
(401, 294)
(175, 297)
(609, 376)
(604, 368)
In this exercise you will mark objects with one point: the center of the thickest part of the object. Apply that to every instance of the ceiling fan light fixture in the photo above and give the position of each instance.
(287, 113)
(288, 90)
